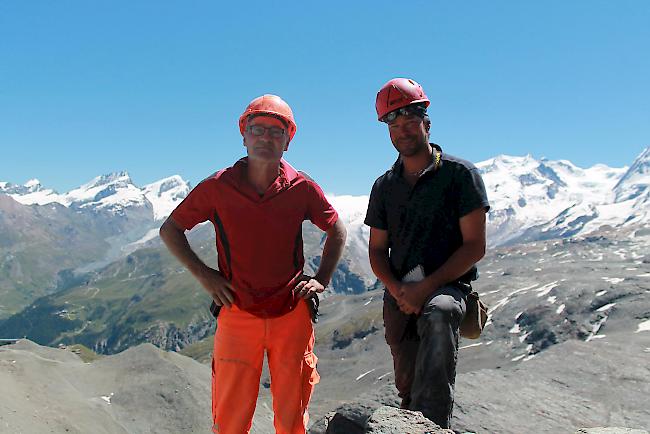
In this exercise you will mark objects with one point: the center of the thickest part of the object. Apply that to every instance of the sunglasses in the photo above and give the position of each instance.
(259, 130)
(404, 111)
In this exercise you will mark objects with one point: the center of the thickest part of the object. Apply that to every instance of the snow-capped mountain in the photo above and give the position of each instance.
(32, 192)
(530, 198)
(526, 193)
(110, 217)
(114, 193)
(636, 180)
(352, 209)
(166, 194)
(540, 199)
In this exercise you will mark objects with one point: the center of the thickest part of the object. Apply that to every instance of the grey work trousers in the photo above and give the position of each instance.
(425, 351)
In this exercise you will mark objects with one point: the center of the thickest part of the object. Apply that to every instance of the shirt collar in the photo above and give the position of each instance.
(398, 167)
(287, 174)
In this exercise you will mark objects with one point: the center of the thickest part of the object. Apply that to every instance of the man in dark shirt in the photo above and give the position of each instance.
(427, 231)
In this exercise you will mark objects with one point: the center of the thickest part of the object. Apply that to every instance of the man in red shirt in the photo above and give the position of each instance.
(259, 292)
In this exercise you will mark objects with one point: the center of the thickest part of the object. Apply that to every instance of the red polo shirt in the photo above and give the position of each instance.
(259, 238)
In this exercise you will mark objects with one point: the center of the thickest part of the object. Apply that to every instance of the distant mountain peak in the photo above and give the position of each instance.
(514, 159)
(114, 192)
(166, 184)
(111, 178)
(165, 194)
(507, 157)
(30, 192)
(636, 180)
(33, 185)
(524, 192)
(641, 163)
(644, 155)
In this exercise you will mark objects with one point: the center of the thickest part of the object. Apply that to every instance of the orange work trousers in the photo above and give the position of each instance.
(239, 345)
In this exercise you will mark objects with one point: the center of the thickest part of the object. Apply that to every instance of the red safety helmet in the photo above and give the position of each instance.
(398, 93)
(270, 105)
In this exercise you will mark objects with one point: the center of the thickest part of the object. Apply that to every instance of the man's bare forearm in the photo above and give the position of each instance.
(332, 251)
(458, 264)
(381, 267)
(472, 227)
(212, 281)
(176, 241)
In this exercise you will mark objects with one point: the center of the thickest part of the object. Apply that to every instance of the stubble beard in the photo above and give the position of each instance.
(412, 148)
(264, 151)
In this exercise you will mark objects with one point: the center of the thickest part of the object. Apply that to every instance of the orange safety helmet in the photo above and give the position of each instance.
(398, 93)
(270, 105)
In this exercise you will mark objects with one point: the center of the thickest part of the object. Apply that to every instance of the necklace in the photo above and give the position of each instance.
(436, 163)
(418, 173)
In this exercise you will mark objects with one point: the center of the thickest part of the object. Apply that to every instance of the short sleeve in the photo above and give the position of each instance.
(472, 192)
(376, 214)
(197, 207)
(320, 211)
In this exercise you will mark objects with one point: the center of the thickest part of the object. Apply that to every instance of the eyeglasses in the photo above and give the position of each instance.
(259, 130)
(404, 111)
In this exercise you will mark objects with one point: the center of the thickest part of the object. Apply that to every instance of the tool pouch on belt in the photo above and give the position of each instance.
(215, 309)
(475, 317)
(312, 303)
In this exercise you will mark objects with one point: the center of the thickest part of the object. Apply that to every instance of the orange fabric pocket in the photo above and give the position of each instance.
(310, 377)
(310, 371)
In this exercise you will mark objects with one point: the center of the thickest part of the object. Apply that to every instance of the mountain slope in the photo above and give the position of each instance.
(109, 218)
(37, 245)
(543, 296)
(45, 236)
(141, 390)
(145, 297)
(573, 385)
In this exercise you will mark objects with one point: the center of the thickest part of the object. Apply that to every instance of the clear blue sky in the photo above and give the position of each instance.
(89, 87)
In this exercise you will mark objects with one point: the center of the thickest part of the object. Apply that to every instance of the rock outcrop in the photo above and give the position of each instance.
(368, 417)
(391, 420)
